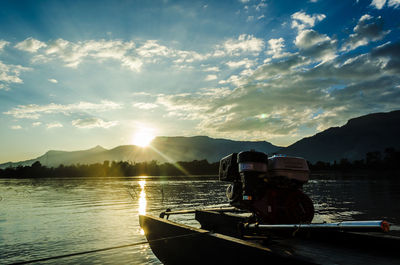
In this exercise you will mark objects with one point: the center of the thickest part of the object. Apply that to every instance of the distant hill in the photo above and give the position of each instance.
(373, 132)
(165, 149)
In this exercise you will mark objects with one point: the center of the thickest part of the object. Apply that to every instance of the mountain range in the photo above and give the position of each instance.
(373, 132)
(163, 149)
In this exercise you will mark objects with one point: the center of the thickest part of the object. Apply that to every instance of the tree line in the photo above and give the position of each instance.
(113, 169)
(389, 160)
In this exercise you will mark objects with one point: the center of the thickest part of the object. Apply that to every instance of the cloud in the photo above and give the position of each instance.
(311, 97)
(30, 45)
(309, 38)
(212, 69)
(315, 45)
(394, 3)
(133, 55)
(10, 74)
(151, 48)
(367, 29)
(74, 53)
(211, 77)
(184, 105)
(89, 123)
(276, 48)
(261, 5)
(16, 127)
(243, 44)
(3, 44)
(35, 124)
(127, 53)
(52, 80)
(300, 20)
(54, 125)
(33, 111)
(245, 62)
(378, 4)
(145, 106)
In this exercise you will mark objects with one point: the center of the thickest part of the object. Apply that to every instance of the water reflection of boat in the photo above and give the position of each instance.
(270, 222)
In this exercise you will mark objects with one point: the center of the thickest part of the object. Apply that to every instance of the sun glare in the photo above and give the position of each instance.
(143, 137)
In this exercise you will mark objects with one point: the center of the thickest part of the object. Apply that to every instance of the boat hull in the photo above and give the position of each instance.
(175, 243)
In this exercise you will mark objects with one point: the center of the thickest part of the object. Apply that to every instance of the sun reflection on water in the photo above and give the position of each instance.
(142, 201)
(142, 198)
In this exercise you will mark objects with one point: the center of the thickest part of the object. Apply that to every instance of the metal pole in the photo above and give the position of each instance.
(356, 226)
(169, 212)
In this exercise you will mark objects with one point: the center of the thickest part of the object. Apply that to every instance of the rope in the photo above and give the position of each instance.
(105, 249)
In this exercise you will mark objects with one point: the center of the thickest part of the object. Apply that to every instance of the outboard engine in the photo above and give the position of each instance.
(271, 188)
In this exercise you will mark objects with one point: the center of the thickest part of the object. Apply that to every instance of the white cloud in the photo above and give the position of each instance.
(245, 62)
(33, 111)
(30, 45)
(73, 53)
(145, 105)
(378, 4)
(211, 77)
(310, 96)
(35, 124)
(52, 80)
(316, 46)
(183, 106)
(261, 5)
(89, 123)
(16, 127)
(233, 79)
(244, 44)
(3, 44)
(394, 3)
(10, 74)
(54, 125)
(151, 48)
(301, 20)
(308, 38)
(211, 69)
(215, 92)
(367, 29)
(142, 93)
(276, 48)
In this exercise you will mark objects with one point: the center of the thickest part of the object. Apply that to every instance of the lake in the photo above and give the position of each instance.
(42, 218)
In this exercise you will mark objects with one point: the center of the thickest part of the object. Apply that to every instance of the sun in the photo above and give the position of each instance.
(143, 137)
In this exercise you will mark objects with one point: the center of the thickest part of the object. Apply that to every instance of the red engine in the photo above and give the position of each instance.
(271, 188)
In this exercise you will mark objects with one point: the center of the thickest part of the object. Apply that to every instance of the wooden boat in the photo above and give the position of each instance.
(269, 223)
(222, 242)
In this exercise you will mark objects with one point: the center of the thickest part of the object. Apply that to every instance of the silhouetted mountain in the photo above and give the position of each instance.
(373, 132)
(164, 149)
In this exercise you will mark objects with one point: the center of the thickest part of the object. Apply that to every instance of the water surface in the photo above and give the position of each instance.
(42, 218)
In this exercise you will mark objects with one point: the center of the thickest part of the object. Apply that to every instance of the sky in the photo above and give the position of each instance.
(76, 74)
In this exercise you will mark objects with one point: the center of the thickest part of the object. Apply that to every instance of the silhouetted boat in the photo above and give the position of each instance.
(222, 240)
(270, 223)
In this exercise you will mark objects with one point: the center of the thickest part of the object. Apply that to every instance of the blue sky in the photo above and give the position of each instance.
(75, 74)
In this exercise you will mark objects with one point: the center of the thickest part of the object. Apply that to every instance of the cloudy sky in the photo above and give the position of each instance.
(75, 74)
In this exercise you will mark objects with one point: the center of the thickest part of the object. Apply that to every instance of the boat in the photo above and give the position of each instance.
(268, 222)
(176, 243)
